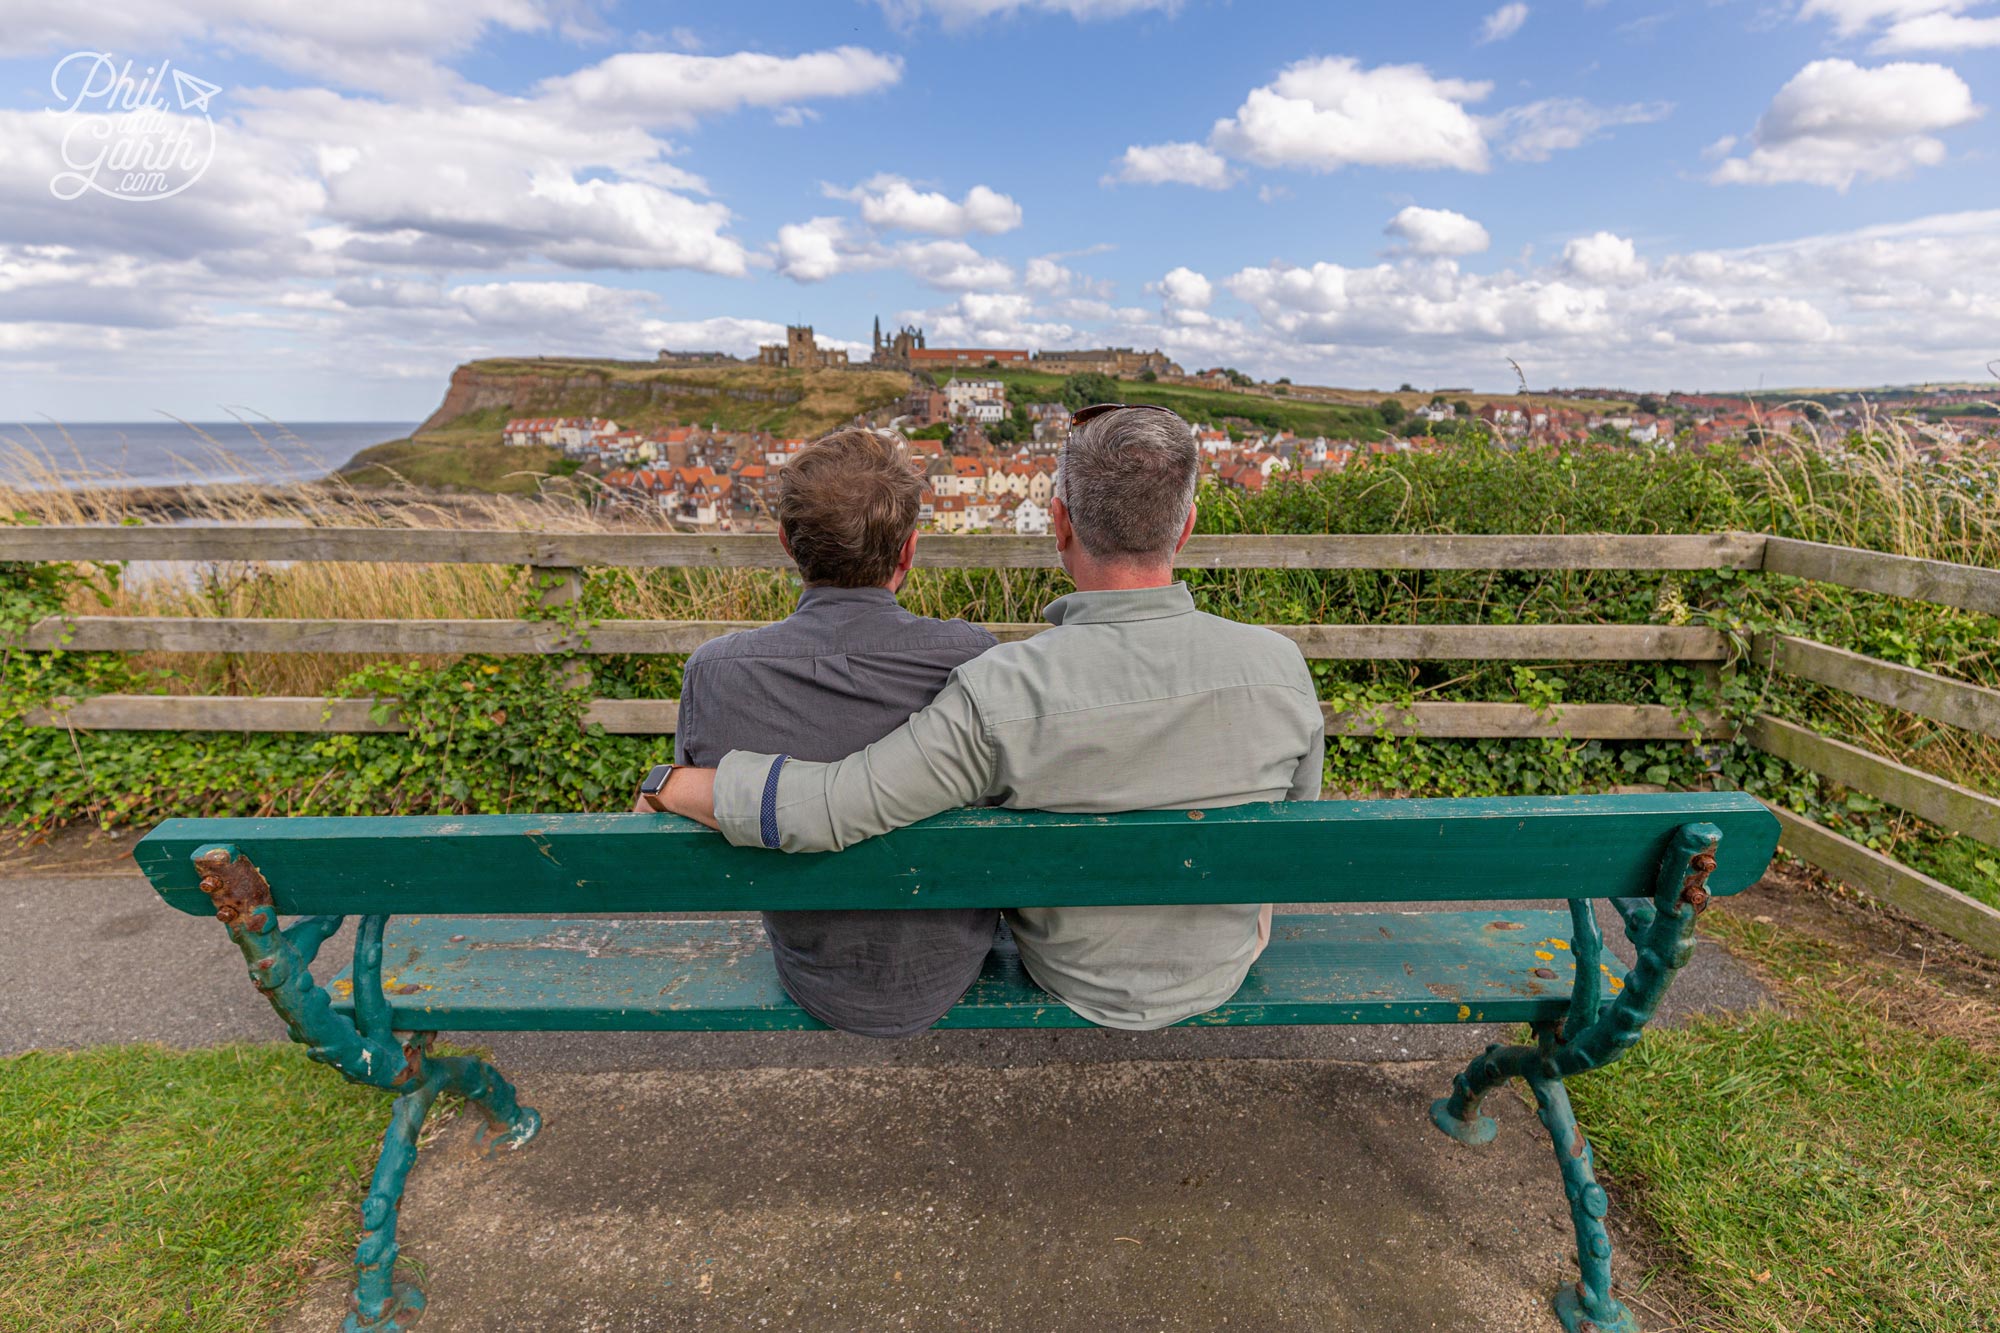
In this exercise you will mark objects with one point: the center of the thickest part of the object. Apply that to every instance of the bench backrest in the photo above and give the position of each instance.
(1308, 851)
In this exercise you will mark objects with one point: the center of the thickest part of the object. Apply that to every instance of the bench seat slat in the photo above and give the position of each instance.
(512, 974)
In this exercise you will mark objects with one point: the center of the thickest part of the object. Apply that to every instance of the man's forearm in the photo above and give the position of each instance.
(939, 760)
(689, 792)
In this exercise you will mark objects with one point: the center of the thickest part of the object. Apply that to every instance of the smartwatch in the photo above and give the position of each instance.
(656, 779)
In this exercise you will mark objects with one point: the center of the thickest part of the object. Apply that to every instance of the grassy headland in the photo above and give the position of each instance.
(642, 395)
(458, 447)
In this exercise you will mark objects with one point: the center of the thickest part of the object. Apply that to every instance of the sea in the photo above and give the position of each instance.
(70, 455)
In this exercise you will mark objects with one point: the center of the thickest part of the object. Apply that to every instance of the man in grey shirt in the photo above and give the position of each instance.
(844, 669)
(1134, 701)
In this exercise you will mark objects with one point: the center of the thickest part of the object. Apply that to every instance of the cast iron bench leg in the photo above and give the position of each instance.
(365, 1050)
(1589, 1305)
(1596, 1032)
(381, 1303)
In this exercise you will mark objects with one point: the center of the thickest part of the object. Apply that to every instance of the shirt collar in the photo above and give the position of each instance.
(825, 594)
(1099, 608)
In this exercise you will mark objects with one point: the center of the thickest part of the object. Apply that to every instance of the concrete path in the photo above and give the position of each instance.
(1137, 1195)
(1068, 1182)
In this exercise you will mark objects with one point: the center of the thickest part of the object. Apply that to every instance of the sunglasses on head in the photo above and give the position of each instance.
(1096, 410)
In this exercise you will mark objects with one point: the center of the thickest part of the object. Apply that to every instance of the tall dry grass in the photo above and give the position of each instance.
(1899, 488)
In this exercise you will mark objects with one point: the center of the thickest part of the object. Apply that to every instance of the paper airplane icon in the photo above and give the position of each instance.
(194, 93)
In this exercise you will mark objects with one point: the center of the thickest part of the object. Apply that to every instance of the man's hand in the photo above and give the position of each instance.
(689, 792)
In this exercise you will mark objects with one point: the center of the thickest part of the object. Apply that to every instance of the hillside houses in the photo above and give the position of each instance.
(726, 482)
(709, 479)
(984, 401)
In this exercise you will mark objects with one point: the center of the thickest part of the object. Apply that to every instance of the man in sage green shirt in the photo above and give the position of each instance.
(1133, 701)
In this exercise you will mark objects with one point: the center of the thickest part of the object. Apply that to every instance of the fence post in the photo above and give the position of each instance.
(562, 586)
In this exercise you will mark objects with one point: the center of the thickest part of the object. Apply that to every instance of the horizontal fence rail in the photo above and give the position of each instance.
(1928, 900)
(660, 717)
(204, 634)
(1939, 698)
(1946, 804)
(1964, 586)
(251, 543)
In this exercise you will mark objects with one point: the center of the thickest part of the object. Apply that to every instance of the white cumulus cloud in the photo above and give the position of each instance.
(1939, 32)
(1603, 257)
(827, 247)
(1046, 275)
(1324, 114)
(1173, 164)
(1437, 231)
(385, 47)
(819, 249)
(669, 88)
(1850, 18)
(893, 203)
(1328, 113)
(1893, 303)
(1503, 23)
(1186, 289)
(1836, 122)
(952, 265)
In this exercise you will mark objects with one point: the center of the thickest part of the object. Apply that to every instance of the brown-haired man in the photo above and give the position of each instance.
(845, 669)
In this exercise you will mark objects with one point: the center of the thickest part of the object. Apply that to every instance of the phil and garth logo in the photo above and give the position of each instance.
(125, 139)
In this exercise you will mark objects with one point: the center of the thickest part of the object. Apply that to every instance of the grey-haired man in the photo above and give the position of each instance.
(1134, 701)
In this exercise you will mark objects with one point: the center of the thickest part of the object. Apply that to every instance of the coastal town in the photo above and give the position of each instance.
(988, 455)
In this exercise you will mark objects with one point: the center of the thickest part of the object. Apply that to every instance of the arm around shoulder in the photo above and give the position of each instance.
(939, 760)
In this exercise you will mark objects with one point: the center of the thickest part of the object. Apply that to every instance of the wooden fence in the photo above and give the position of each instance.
(566, 555)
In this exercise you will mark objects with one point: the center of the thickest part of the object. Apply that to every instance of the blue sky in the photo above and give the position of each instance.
(1692, 194)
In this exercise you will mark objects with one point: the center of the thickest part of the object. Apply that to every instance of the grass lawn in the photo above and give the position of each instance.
(149, 1189)
(1832, 1167)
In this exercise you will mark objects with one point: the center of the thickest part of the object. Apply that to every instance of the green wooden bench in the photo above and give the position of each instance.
(473, 946)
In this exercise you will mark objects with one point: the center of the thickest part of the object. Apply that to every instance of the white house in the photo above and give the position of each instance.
(573, 433)
(961, 396)
(532, 430)
(782, 452)
(1031, 520)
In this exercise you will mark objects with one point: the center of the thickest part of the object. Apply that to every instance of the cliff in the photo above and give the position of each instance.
(483, 395)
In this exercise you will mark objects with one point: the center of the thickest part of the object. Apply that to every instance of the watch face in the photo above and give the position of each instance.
(655, 779)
